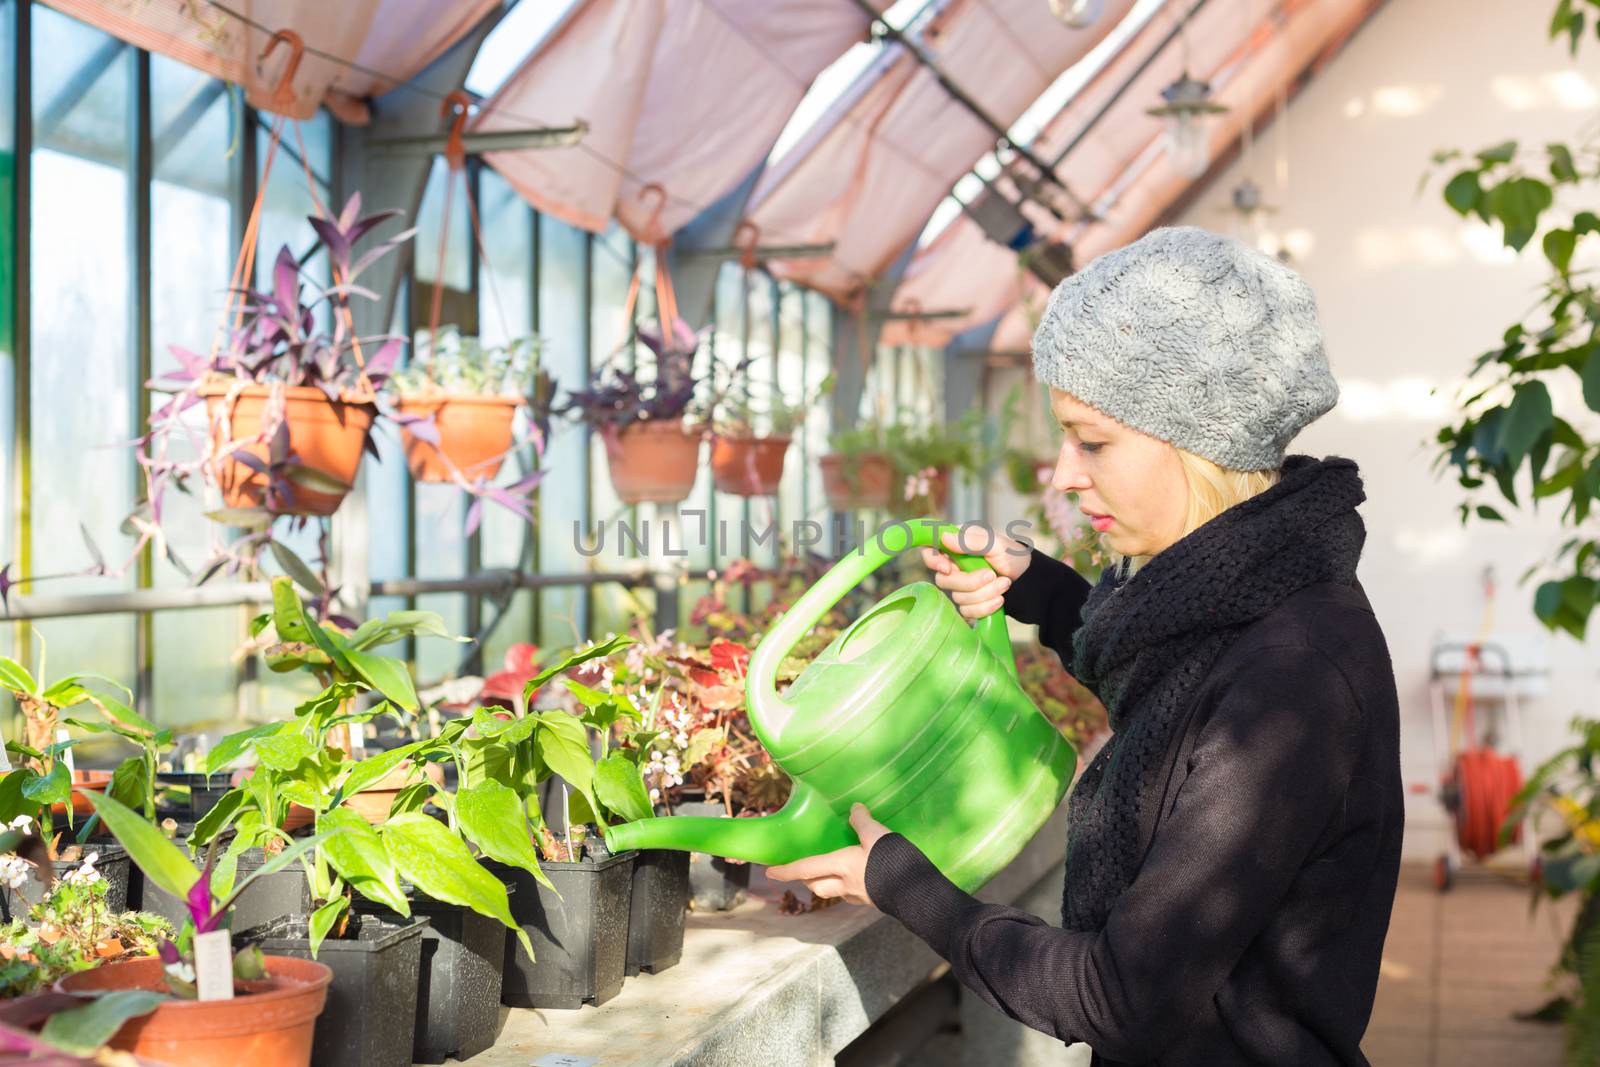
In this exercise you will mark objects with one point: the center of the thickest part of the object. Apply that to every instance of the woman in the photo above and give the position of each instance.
(1233, 849)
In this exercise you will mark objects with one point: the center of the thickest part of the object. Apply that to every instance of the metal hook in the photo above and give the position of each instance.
(747, 248)
(652, 226)
(283, 97)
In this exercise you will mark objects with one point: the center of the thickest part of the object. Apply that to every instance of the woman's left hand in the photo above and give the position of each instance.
(842, 872)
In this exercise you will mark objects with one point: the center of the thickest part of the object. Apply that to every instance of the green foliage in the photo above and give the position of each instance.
(1508, 425)
(464, 366)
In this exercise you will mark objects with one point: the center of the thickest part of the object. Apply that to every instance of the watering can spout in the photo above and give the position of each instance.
(804, 827)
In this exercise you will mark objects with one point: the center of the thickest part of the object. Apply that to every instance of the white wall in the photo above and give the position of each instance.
(1409, 295)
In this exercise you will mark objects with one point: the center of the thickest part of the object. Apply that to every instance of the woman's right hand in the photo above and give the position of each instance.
(980, 592)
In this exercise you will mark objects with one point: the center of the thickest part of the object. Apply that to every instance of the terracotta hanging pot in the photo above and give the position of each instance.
(325, 435)
(655, 460)
(269, 1021)
(474, 435)
(748, 466)
(861, 480)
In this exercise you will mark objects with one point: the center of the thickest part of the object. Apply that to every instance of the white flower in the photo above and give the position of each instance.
(86, 874)
(23, 823)
(14, 872)
(655, 795)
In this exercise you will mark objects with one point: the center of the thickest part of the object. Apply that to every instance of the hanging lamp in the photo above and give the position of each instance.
(1078, 13)
(1187, 105)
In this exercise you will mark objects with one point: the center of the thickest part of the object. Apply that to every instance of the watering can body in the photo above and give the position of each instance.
(912, 711)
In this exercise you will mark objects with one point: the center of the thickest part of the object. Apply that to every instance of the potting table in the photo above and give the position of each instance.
(758, 986)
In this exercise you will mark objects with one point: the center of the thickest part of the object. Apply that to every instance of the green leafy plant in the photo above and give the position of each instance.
(35, 789)
(465, 366)
(1508, 422)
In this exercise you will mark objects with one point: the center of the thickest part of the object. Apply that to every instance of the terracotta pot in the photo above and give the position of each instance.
(938, 493)
(474, 435)
(863, 480)
(326, 436)
(748, 466)
(272, 1023)
(372, 803)
(656, 460)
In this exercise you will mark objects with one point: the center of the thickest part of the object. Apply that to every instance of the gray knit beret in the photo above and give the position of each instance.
(1193, 338)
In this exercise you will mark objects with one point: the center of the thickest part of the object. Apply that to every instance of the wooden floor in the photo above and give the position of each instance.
(1456, 966)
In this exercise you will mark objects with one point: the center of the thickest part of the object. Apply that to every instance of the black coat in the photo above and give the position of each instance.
(1253, 931)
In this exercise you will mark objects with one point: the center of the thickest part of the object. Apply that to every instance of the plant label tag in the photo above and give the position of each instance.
(213, 965)
(565, 1059)
(66, 754)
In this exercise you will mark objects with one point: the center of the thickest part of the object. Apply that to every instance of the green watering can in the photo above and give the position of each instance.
(912, 711)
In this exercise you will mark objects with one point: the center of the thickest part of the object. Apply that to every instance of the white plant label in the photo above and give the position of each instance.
(565, 1059)
(213, 965)
(66, 755)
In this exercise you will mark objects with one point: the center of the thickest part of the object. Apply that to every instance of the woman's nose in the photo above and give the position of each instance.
(1068, 476)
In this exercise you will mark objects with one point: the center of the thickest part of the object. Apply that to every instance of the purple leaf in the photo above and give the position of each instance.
(422, 427)
(334, 239)
(474, 516)
(383, 360)
(286, 281)
(251, 460)
(201, 906)
(351, 210)
(168, 952)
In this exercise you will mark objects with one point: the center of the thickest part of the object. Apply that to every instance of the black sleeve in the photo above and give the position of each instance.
(1050, 595)
(1267, 776)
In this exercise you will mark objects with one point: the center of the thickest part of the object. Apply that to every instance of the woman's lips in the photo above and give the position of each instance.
(1101, 523)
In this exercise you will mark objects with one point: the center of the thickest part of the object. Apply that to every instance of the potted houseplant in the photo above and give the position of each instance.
(573, 903)
(856, 471)
(743, 461)
(267, 1012)
(457, 407)
(924, 458)
(652, 449)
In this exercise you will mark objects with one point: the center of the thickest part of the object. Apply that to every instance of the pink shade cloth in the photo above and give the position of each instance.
(688, 95)
(880, 161)
(1249, 65)
(397, 38)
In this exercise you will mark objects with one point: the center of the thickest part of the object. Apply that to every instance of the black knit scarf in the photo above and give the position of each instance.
(1147, 642)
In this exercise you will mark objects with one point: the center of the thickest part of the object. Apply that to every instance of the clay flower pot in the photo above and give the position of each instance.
(748, 466)
(863, 480)
(83, 783)
(325, 435)
(655, 460)
(270, 1021)
(373, 802)
(474, 435)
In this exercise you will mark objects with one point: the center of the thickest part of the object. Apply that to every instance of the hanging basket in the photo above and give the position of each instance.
(325, 436)
(748, 466)
(474, 436)
(655, 460)
(860, 480)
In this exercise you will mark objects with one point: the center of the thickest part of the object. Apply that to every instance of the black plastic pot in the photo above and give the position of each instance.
(580, 939)
(112, 863)
(279, 893)
(655, 917)
(458, 983)
(371, 1012)
(715, 884)
(204, 790)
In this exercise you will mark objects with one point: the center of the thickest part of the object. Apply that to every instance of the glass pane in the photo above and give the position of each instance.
(79, 284)
(563, 293)
(455, 298)
(191, 259)
(8, 236)
(288, 200)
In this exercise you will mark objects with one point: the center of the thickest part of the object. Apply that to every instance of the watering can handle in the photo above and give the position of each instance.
(831, 588)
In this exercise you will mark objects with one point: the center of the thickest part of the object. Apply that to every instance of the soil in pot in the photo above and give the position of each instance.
(326, 435)
(659, 902)
(458, 982)
(715, 884)
(372, 1000)
(580, 939)
(863, 480)
(268, 1023)
(655, 460)
(279, 893)
(474, 434)
(748, 466)
(111, 861)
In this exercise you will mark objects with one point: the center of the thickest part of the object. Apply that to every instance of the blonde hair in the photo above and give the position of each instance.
(1213, 489)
